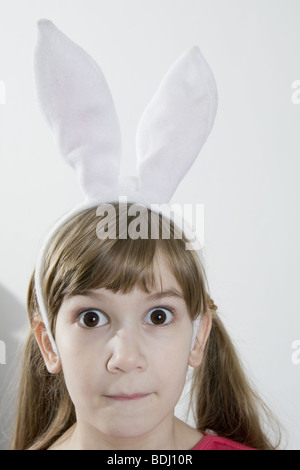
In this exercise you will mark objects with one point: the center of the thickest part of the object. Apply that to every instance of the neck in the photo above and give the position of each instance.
(85, 438)
(171, 435)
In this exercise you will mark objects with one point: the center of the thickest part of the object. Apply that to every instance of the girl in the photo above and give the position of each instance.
(116, 319)
(121, 313)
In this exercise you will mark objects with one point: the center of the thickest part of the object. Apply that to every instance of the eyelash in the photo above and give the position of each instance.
(166, 310)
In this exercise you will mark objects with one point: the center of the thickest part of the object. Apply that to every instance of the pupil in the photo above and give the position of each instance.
(90, 319)
(158, 317)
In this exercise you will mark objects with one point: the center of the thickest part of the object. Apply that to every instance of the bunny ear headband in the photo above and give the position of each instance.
(77, 104)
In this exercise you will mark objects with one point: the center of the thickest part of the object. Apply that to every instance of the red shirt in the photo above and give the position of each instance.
(211, 442)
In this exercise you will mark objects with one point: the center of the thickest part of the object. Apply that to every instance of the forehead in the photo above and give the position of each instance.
(161, 282)
(117, 264)
(164, 278)
(164, 286)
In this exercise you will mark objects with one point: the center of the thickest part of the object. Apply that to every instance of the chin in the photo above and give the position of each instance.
(127, 429)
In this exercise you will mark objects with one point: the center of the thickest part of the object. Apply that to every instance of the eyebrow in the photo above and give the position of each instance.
(166, 293)
(152, 296)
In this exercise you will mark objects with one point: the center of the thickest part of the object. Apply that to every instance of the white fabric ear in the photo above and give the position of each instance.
(77, 103)
(175, 125)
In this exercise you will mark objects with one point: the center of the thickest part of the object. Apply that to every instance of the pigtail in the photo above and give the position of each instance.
(224, 401)
(44, 409)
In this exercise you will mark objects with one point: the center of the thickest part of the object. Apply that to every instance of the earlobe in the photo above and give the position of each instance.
(196, 355)
(51, 358)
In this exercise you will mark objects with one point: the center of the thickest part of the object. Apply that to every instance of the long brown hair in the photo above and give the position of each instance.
(77, 261)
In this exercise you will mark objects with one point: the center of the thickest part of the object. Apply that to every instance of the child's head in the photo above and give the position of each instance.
(121, 312)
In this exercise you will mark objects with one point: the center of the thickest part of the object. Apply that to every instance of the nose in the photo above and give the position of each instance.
(125, 353)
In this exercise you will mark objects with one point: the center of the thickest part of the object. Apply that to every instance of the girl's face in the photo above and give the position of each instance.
(125, 356)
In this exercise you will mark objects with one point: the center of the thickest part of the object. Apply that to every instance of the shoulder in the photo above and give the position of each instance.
(213, 442)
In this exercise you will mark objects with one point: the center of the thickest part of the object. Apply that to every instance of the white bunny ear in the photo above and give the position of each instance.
(77, 104)
(175, 125)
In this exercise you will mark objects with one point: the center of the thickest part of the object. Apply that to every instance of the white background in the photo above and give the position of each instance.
(247, 175)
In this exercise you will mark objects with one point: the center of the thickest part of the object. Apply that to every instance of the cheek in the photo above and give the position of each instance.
(81, 365)
(171, 364)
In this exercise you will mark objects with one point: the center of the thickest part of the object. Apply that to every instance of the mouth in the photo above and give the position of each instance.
(125, 397)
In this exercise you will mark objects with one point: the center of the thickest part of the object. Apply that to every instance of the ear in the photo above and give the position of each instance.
(196, 355)
(77, 104)
(175, 125)
(51, 358)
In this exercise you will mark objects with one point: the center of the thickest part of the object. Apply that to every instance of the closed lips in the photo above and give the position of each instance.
(124, 397)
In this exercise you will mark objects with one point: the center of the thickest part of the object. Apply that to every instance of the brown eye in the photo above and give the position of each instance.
(159, 317)
(92, 319)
